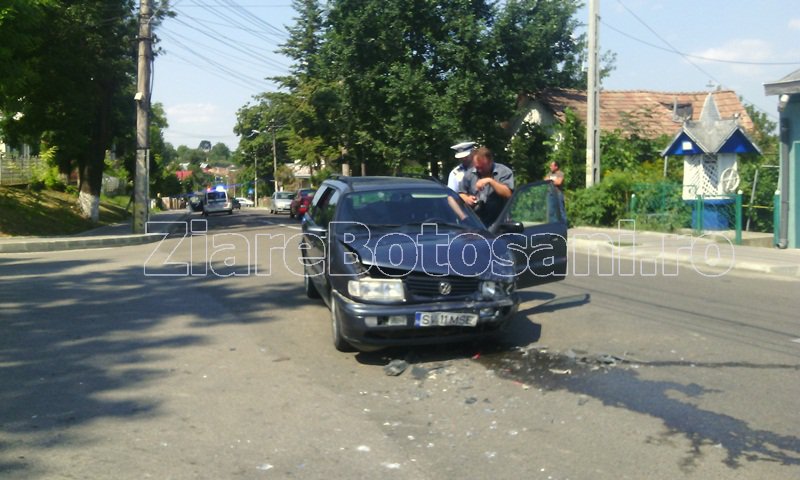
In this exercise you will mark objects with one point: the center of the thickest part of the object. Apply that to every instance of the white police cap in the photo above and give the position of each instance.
(463, 149)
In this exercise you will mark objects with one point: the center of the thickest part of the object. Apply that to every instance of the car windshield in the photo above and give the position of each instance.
(411, 206)
(284, 195)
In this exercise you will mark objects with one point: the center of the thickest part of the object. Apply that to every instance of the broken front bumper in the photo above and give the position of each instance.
(368, 324)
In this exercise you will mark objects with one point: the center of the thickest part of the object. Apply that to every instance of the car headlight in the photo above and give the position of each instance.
(489, 289)
(377, 290)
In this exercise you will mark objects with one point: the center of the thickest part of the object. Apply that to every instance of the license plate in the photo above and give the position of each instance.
(445, 319)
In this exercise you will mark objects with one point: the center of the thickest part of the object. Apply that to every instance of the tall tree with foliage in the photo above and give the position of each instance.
(394, 83)
(77, 86)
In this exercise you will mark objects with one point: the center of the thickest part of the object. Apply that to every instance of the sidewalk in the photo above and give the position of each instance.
(116, 235)
(711, 254)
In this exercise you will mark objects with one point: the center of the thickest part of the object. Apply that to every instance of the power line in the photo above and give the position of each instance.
(227, 55)
(225, 40)
(699, 57)
(246, 14)
(220, 67)
(237, 24)
(685, 57)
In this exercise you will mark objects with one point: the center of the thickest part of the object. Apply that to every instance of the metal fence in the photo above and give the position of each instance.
(18, 171)
(661, 207)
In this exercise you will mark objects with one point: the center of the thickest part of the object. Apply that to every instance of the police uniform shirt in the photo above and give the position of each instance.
(492, 203)
(456, 175)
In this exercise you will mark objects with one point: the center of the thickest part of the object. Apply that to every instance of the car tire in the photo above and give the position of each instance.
(311, 289)
(336, 329)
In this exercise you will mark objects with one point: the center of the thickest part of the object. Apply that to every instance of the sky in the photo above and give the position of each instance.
(216, 54)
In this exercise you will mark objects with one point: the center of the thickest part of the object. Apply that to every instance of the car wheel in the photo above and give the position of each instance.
(230, 212)
(338, 340)
(311, 290)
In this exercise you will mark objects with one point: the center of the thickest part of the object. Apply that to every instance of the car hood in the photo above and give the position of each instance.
(466, 254)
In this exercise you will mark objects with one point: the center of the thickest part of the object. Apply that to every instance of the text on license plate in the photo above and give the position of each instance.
(445, 319)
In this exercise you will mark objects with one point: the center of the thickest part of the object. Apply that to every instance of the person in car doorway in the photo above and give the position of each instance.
(464, 154)
(487, 186)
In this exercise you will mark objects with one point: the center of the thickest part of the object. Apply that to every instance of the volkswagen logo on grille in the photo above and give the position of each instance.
(445, 288)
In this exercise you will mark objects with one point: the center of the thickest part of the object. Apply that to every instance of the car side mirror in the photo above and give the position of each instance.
(510, 227)
(318, 230)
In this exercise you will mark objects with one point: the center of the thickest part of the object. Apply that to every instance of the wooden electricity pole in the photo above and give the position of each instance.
(141, 201)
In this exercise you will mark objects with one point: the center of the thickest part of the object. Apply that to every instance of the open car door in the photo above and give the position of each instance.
(535, 225)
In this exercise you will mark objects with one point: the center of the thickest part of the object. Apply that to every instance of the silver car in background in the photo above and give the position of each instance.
(281, 202)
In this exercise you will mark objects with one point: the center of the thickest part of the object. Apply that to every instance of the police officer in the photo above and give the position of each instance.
(486, 186)
(463, 153)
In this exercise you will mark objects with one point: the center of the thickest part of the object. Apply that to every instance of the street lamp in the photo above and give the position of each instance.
(255, 167)
(271, 127)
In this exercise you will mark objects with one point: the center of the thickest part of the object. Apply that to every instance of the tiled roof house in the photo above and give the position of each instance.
(659, 113)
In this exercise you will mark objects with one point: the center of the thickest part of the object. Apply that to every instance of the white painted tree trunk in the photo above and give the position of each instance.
(89, 205)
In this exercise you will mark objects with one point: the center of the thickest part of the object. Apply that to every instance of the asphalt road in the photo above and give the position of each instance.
(116, 364)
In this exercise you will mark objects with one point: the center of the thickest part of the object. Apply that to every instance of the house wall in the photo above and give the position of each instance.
(792, 113)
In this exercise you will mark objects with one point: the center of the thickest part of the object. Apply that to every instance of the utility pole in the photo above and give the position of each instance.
(593, 100)
(141, 201)
(272, 128)
(255, 180)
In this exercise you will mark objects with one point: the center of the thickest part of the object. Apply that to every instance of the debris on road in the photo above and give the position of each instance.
(395, 367)
(419, 373)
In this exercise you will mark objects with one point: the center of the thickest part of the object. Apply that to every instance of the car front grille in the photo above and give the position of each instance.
(426, 286)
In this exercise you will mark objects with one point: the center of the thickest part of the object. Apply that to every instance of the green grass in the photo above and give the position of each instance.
(44, 213)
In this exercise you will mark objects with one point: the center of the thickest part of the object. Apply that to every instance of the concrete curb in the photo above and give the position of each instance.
(55, 244)
(604, 249)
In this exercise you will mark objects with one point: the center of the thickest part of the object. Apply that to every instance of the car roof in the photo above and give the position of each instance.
(362, 184)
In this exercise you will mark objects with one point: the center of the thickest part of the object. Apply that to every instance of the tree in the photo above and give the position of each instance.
(89, 46)
(220, 154)
(760, 212)
(568, 148)
(388, 85)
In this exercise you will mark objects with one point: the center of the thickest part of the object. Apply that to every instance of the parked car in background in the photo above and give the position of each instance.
(300, 202)
(281, 202)
(379, 266)
(195, 204)
(245, 202)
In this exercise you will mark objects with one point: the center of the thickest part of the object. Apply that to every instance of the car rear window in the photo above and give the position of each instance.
(216, 195)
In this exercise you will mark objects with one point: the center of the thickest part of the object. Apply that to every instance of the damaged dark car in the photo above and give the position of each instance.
(403, 261)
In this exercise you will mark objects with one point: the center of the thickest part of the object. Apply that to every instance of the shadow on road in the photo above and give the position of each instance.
(79, 340)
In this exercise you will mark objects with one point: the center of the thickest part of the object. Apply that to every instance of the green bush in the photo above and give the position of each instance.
(602, 204)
